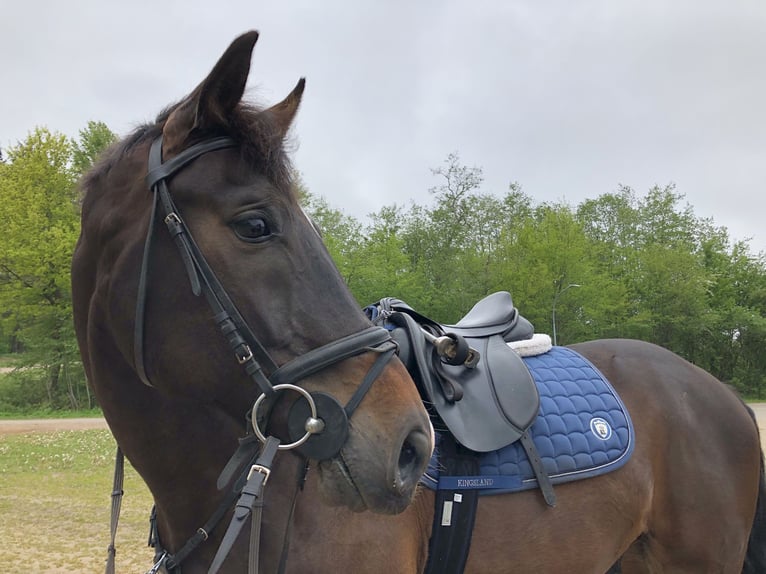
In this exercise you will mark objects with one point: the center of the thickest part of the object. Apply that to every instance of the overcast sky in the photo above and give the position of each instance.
(570, 99)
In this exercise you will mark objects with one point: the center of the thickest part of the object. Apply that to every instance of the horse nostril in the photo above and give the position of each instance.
(407, 456)
(413, 457)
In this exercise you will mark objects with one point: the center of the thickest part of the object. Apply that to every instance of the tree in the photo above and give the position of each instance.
(39, 204)
(94, 139)
(647, 267)
(340, 232)
(441, 241)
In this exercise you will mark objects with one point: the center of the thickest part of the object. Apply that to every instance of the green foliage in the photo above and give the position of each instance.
(94, 139)
(647, 267)
(39, 206)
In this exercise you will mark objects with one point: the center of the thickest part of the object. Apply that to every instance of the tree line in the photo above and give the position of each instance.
(624, 264)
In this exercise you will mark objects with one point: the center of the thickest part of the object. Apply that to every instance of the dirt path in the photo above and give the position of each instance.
(49, 425)
(760, 414)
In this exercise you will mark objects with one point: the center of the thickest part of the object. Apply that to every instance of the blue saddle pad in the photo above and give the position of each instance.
(583, 430)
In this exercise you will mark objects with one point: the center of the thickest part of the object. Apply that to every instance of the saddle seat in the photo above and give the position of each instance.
(494, 315)
(486, 405)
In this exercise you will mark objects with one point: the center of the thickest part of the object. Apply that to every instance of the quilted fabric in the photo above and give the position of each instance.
(583, 430)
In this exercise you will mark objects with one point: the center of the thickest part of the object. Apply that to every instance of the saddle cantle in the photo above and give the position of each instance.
(486, 404)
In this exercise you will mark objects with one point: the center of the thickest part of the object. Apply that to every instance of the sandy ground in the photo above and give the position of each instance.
(48, 425)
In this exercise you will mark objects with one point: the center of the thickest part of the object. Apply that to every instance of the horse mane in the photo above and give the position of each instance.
(261, 144)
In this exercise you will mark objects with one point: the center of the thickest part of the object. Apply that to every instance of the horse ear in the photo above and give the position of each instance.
(284, 112)
(213, 100)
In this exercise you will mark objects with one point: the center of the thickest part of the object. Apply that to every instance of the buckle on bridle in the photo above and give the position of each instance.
(248, 354)
(172, 218)
(262, 469)
(160, 562)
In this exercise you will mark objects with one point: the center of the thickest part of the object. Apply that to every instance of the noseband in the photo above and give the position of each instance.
(319, 425)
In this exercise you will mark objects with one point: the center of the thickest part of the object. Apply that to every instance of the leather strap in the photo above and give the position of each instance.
(247, 450)
(386, 354)
(250, 503)
(159, 171)
(201, 276)
(543, 481)
(117, 493)
(334, 352)
(454, 511)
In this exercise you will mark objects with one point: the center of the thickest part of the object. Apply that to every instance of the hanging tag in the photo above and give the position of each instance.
(447, 513)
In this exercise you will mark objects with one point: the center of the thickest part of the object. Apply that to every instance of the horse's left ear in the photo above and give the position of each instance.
(209, 105)
(284, 112)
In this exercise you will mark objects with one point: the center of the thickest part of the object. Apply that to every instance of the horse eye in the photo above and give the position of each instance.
(252, 228)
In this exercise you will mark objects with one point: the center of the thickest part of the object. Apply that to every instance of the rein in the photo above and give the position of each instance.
(316, 434)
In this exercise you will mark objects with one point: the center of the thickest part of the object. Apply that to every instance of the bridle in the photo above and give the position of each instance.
(318, 426)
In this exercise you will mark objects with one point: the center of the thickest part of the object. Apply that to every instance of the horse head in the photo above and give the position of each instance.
(173, 377)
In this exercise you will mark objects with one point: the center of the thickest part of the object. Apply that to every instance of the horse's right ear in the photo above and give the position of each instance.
(209, 105)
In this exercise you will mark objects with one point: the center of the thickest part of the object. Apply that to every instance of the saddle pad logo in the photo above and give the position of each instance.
(600, 428)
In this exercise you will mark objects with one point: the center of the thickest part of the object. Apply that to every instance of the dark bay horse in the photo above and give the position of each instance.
(180, 332)
(167, 376)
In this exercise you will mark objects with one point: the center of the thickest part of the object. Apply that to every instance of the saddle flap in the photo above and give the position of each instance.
(499, 398)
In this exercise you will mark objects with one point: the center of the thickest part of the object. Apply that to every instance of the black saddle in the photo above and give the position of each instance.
(478, 386)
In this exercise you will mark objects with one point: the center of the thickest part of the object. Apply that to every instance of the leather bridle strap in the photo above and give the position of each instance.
(322, 357)
(117, 493)
(202, 278)
(250, 503)
(247, 349)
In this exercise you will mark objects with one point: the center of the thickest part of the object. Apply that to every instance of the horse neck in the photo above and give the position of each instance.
(178, 447)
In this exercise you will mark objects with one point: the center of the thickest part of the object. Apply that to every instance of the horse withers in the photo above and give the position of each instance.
(181, 330)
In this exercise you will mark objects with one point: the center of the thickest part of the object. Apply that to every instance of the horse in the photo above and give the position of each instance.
(690, 499)
(166, 322)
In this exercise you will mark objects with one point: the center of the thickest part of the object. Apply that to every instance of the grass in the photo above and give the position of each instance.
(55, 505)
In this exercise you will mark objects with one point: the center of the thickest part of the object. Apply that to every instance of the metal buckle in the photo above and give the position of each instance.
(157, 565)
(172, 217)
(247, 357)
(262, 469)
